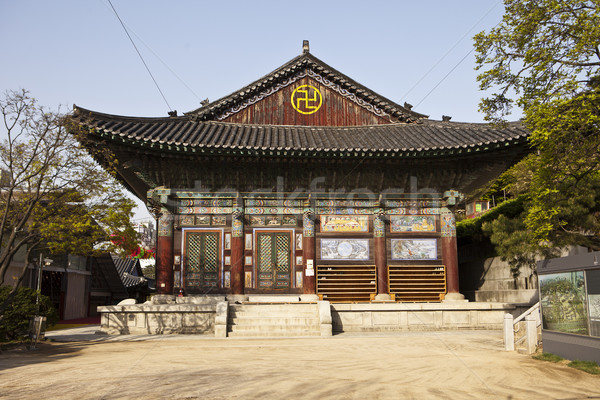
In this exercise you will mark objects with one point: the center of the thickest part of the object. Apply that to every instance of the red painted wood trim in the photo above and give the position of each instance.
(381, 265)
(450, 255)
(237, 265)
(309, 283)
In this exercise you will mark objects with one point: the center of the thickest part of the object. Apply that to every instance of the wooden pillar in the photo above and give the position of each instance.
(237, 252)
(450, 254)
(164, 260)
(381, 266)
(309, 283)
(379, 254)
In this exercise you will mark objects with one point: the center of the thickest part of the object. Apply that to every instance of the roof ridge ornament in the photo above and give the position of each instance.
(305, 47)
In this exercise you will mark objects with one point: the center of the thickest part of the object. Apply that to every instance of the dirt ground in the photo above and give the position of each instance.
(414, 365)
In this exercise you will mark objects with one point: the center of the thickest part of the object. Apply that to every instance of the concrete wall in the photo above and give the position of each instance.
(486, 278)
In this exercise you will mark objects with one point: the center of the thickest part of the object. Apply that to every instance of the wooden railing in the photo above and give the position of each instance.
(346, 283)
(417, 283)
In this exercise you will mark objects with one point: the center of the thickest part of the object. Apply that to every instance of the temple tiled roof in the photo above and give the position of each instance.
(306, 62)
(188, 134)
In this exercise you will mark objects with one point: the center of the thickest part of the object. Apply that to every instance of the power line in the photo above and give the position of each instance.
(444, 78)
(445, 55)
(166, 65)
(161, 60)
(139, 54)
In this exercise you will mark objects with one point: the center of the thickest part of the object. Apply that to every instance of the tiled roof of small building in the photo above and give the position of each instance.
(127, 270)
(189, 134)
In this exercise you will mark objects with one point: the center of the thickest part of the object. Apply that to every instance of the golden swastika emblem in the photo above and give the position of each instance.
(306, 99)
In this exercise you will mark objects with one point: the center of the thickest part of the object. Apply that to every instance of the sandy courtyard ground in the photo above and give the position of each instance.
(427, 365)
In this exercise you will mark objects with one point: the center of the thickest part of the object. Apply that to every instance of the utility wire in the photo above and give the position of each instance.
(166, 65)
(445, 76)
(445, 55)
(162, 61)
(139, 54)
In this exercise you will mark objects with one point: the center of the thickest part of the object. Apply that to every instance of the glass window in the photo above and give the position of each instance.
(563, 302)
(592, 278)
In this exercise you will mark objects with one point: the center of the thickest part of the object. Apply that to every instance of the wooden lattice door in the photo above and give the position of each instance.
(274, 259)
(202, 259)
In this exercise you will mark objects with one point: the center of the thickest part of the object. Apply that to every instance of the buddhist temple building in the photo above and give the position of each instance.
(305, 182)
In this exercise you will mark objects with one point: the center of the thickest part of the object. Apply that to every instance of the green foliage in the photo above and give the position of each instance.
(512, 242)
(548, 357)
(591, 367)
(545, 57)
(14, 323)
(149, 271)
(54, 193)
(542, 50)
(472, 227)
(566, 190)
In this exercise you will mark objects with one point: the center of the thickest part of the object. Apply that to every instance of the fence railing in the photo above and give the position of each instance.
(524, 328)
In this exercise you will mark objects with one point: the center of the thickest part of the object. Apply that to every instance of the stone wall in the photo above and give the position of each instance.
(208, 315)
(387, 317)
(486, 278)
(161, 315)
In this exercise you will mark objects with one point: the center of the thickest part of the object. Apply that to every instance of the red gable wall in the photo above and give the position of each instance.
(335, 110)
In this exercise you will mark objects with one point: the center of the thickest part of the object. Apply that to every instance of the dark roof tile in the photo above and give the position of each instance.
(187, 131)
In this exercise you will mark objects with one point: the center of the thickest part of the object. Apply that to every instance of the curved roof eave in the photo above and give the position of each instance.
(431, 138)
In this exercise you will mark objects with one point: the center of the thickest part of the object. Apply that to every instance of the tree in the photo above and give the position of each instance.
(544, 56)
(52, 193)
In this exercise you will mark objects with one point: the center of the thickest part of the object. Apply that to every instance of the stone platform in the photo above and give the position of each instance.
(288, 315)
(385, 317)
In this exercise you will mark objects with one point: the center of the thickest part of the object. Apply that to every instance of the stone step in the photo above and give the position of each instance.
(274, 334)
(273, 314)
(274, 328)
(260, 321)
(274, 298)
(273, 319)
(275, 306)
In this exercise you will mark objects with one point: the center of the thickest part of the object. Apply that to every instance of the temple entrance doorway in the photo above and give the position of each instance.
(274, 259)
(202, 260)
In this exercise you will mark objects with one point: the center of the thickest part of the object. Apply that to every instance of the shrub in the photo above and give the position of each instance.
(15, 320)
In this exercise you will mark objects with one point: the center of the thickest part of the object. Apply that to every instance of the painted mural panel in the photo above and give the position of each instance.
(563, 302)
(203, 220)
(289, 220)
(345, 249)
(412, 223)
(344, 223)
(219, 220)
(257, 220)
(414, 249)
(186, 220)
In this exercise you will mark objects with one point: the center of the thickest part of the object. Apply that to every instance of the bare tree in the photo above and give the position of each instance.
(51, 190)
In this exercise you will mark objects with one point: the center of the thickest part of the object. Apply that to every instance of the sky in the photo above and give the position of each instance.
(69, 52)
